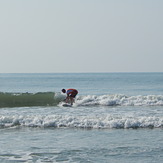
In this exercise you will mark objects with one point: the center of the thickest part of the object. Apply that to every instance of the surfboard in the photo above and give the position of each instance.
(67, 105)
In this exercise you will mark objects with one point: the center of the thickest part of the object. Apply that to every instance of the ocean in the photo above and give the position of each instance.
(117, 117)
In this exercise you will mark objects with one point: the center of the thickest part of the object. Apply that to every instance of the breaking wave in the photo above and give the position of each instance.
(87, 122)
(29, 99)
(121, 100)
(53, 99)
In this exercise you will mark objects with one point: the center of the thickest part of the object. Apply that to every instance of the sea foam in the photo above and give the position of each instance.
(88, 122)
(118, 99)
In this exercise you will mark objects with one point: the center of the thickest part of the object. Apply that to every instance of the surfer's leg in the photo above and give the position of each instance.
(68, 100)
(71, 100)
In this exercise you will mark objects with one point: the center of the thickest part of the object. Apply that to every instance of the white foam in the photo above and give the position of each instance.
(118, 99)
(57, 121)
(59, 95)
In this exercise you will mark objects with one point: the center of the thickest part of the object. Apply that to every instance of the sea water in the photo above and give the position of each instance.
(117, 117)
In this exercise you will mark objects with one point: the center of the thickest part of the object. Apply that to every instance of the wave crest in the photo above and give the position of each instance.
(29, 99)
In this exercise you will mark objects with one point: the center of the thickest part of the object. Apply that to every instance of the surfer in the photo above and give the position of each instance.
(71, 94)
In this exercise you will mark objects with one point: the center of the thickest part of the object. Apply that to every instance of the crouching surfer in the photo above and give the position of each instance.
(71, 94)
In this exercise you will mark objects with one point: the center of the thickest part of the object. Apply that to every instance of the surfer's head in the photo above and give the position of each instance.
(63, 90)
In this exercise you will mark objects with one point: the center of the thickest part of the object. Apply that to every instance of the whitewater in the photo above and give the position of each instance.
(121, 100)
(116, 117)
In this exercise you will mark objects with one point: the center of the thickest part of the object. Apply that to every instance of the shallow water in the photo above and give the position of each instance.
(81, 145)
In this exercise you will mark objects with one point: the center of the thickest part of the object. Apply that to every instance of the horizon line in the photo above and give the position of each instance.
(79, 72)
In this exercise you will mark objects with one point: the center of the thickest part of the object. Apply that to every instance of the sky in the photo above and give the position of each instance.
(75, 36)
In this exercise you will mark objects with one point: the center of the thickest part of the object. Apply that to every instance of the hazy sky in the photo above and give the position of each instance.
(81, 36)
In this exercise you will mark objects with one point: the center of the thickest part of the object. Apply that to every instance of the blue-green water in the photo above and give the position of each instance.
(117, 117)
